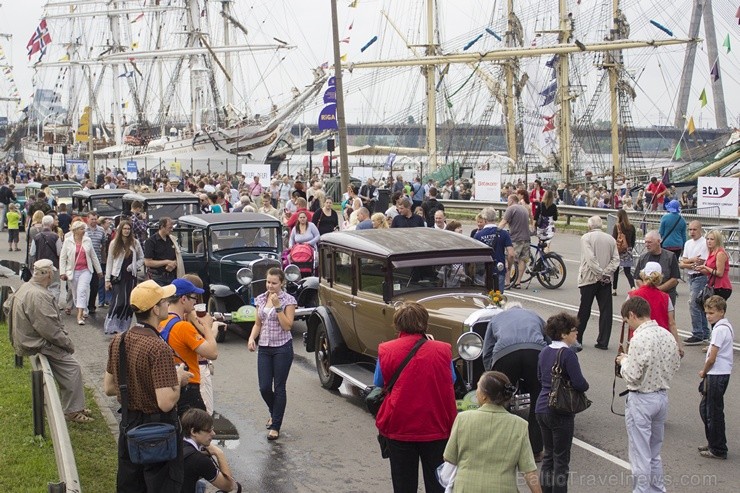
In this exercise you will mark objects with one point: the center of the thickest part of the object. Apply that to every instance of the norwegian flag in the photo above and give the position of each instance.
(39, 40)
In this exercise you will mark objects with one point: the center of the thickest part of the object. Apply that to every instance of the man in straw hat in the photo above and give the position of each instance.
(154, 384)
(36, 328)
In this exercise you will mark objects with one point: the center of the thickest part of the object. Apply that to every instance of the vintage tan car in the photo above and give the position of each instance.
(364, 275)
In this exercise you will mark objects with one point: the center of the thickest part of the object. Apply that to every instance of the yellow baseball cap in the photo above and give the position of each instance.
(149, 293)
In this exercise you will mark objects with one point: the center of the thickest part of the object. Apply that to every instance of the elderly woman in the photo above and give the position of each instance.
(717, 266)
(661, 306)
(304, 232)
(417, 415)
(484, 464)
(77, 263)
(557, 429)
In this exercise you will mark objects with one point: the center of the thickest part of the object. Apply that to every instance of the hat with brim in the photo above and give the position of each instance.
(147, 294)
(43, 264)
(184, 287)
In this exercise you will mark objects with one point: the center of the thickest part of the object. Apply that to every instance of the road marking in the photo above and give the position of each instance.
(574, 308)
(606, 455)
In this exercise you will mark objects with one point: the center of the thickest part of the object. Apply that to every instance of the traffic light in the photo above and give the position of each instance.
(309, 145)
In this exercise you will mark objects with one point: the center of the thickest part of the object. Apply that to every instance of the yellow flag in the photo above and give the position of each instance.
(83, 130)
(343, 58)
(691, 127)
(65, 58)
(353, 4)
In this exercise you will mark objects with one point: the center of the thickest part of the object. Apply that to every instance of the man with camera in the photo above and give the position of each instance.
(647, 370)
(203, 459)
(153, 389)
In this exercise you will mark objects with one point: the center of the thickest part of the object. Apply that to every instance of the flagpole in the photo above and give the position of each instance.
(341, 122)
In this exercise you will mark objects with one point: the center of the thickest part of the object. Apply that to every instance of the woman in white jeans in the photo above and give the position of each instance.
(77, 263)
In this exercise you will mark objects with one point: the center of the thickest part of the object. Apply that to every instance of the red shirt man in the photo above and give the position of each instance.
(655, 192)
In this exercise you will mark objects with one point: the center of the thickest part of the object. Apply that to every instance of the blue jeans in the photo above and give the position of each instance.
(103, 295)
(712, 411)
(273, 366)
(699, 326)
(557, 436)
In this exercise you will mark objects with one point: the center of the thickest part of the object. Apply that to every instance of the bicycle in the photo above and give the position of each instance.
(548, 267)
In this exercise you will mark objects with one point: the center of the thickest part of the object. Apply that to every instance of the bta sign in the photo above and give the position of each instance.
(488, 185)
(718, 192)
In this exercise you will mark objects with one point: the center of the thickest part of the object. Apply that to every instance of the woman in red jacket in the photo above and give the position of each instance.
(417, 415)
(661, 307)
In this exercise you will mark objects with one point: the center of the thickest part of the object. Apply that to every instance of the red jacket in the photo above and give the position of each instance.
(658, 301)
(421, 406)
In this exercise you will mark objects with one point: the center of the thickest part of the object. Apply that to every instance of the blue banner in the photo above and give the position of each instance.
(330, 96)
(328, 118)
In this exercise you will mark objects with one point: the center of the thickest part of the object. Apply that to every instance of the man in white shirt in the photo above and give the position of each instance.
(440, 221)
(695, 253)
(647, 370)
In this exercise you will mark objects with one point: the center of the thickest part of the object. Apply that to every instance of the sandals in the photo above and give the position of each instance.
(273, 435)
(268, 424)
(79, 417)
(68, 311)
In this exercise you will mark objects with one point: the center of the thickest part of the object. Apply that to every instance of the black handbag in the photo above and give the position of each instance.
(25, 273)
(563, 398)
(377, 395)
(148, 443)
(115, 279)
(705, 293)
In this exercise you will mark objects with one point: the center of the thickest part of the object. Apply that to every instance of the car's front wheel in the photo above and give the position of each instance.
(322, 353)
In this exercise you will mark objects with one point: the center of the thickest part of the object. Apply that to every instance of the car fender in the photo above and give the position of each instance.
(221, 291)
(305, 288)
(322, 314)
(484, 315)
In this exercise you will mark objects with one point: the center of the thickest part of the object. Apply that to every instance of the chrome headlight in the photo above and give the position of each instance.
(470, 346)
(292, 273)
(244, 276)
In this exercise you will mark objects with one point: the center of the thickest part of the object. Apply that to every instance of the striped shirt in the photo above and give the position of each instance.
(97, 237)
(271, 333)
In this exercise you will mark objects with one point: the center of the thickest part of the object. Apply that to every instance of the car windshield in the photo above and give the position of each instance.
(108, 206)
(254, 237)
(155, 212)
(65, 192)
(457, 275)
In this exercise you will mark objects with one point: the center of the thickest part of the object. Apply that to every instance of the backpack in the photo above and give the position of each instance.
(622, 245)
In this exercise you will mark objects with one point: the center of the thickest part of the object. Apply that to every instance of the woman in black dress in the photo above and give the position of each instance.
(125, 258)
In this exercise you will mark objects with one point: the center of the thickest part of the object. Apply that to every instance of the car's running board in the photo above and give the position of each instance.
(355, 374)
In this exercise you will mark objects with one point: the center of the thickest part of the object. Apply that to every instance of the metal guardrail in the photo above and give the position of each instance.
(65, 458)
(728, 225)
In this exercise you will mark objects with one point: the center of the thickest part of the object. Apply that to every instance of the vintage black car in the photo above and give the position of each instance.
(61, 190)
(364, 275)
(159, 205)
(232, 254)
(107, 203)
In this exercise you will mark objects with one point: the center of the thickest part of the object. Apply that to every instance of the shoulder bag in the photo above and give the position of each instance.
(622, 245)
(706, 292)
(563, 398)
(148, 443)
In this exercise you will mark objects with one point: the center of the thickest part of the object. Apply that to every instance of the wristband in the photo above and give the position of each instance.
(279, 309)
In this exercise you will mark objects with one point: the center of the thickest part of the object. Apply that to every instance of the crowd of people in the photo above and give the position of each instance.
(157, 323)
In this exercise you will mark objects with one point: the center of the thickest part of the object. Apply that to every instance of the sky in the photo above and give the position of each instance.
(306, 23)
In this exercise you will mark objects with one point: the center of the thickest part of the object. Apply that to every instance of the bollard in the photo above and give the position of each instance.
(57, 487)
(37, 394)
(18, 361)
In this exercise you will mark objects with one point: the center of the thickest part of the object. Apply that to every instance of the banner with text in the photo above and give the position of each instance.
(488, 185)
(132, 170)
(262, 170)
(718, 192)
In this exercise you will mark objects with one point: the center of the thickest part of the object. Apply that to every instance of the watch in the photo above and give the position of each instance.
(279, 309)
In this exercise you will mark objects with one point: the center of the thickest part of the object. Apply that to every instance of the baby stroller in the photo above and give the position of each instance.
(302, 256)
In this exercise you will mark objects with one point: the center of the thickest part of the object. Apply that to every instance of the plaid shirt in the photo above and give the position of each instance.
(272, 334)
(138, 227)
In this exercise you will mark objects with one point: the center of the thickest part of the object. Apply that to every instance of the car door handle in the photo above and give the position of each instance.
(351, 303)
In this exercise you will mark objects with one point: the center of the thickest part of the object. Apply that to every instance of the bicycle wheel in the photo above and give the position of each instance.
(530, 268)
(551, 270)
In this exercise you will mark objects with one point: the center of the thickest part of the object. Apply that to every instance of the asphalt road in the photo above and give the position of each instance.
(328, 441)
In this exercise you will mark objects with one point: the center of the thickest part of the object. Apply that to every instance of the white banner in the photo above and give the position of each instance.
(718, 192)
(362, 173)
(262, 170)
(488, 185)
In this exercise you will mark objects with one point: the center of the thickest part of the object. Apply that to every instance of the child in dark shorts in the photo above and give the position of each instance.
(14, 219)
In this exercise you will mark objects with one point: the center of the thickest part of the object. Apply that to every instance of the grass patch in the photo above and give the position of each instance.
(27, 460)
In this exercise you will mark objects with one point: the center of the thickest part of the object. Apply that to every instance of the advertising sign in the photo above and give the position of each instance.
(262, 170)
(488, 185)
(175, 170)
(132, 170)
(718, 192)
